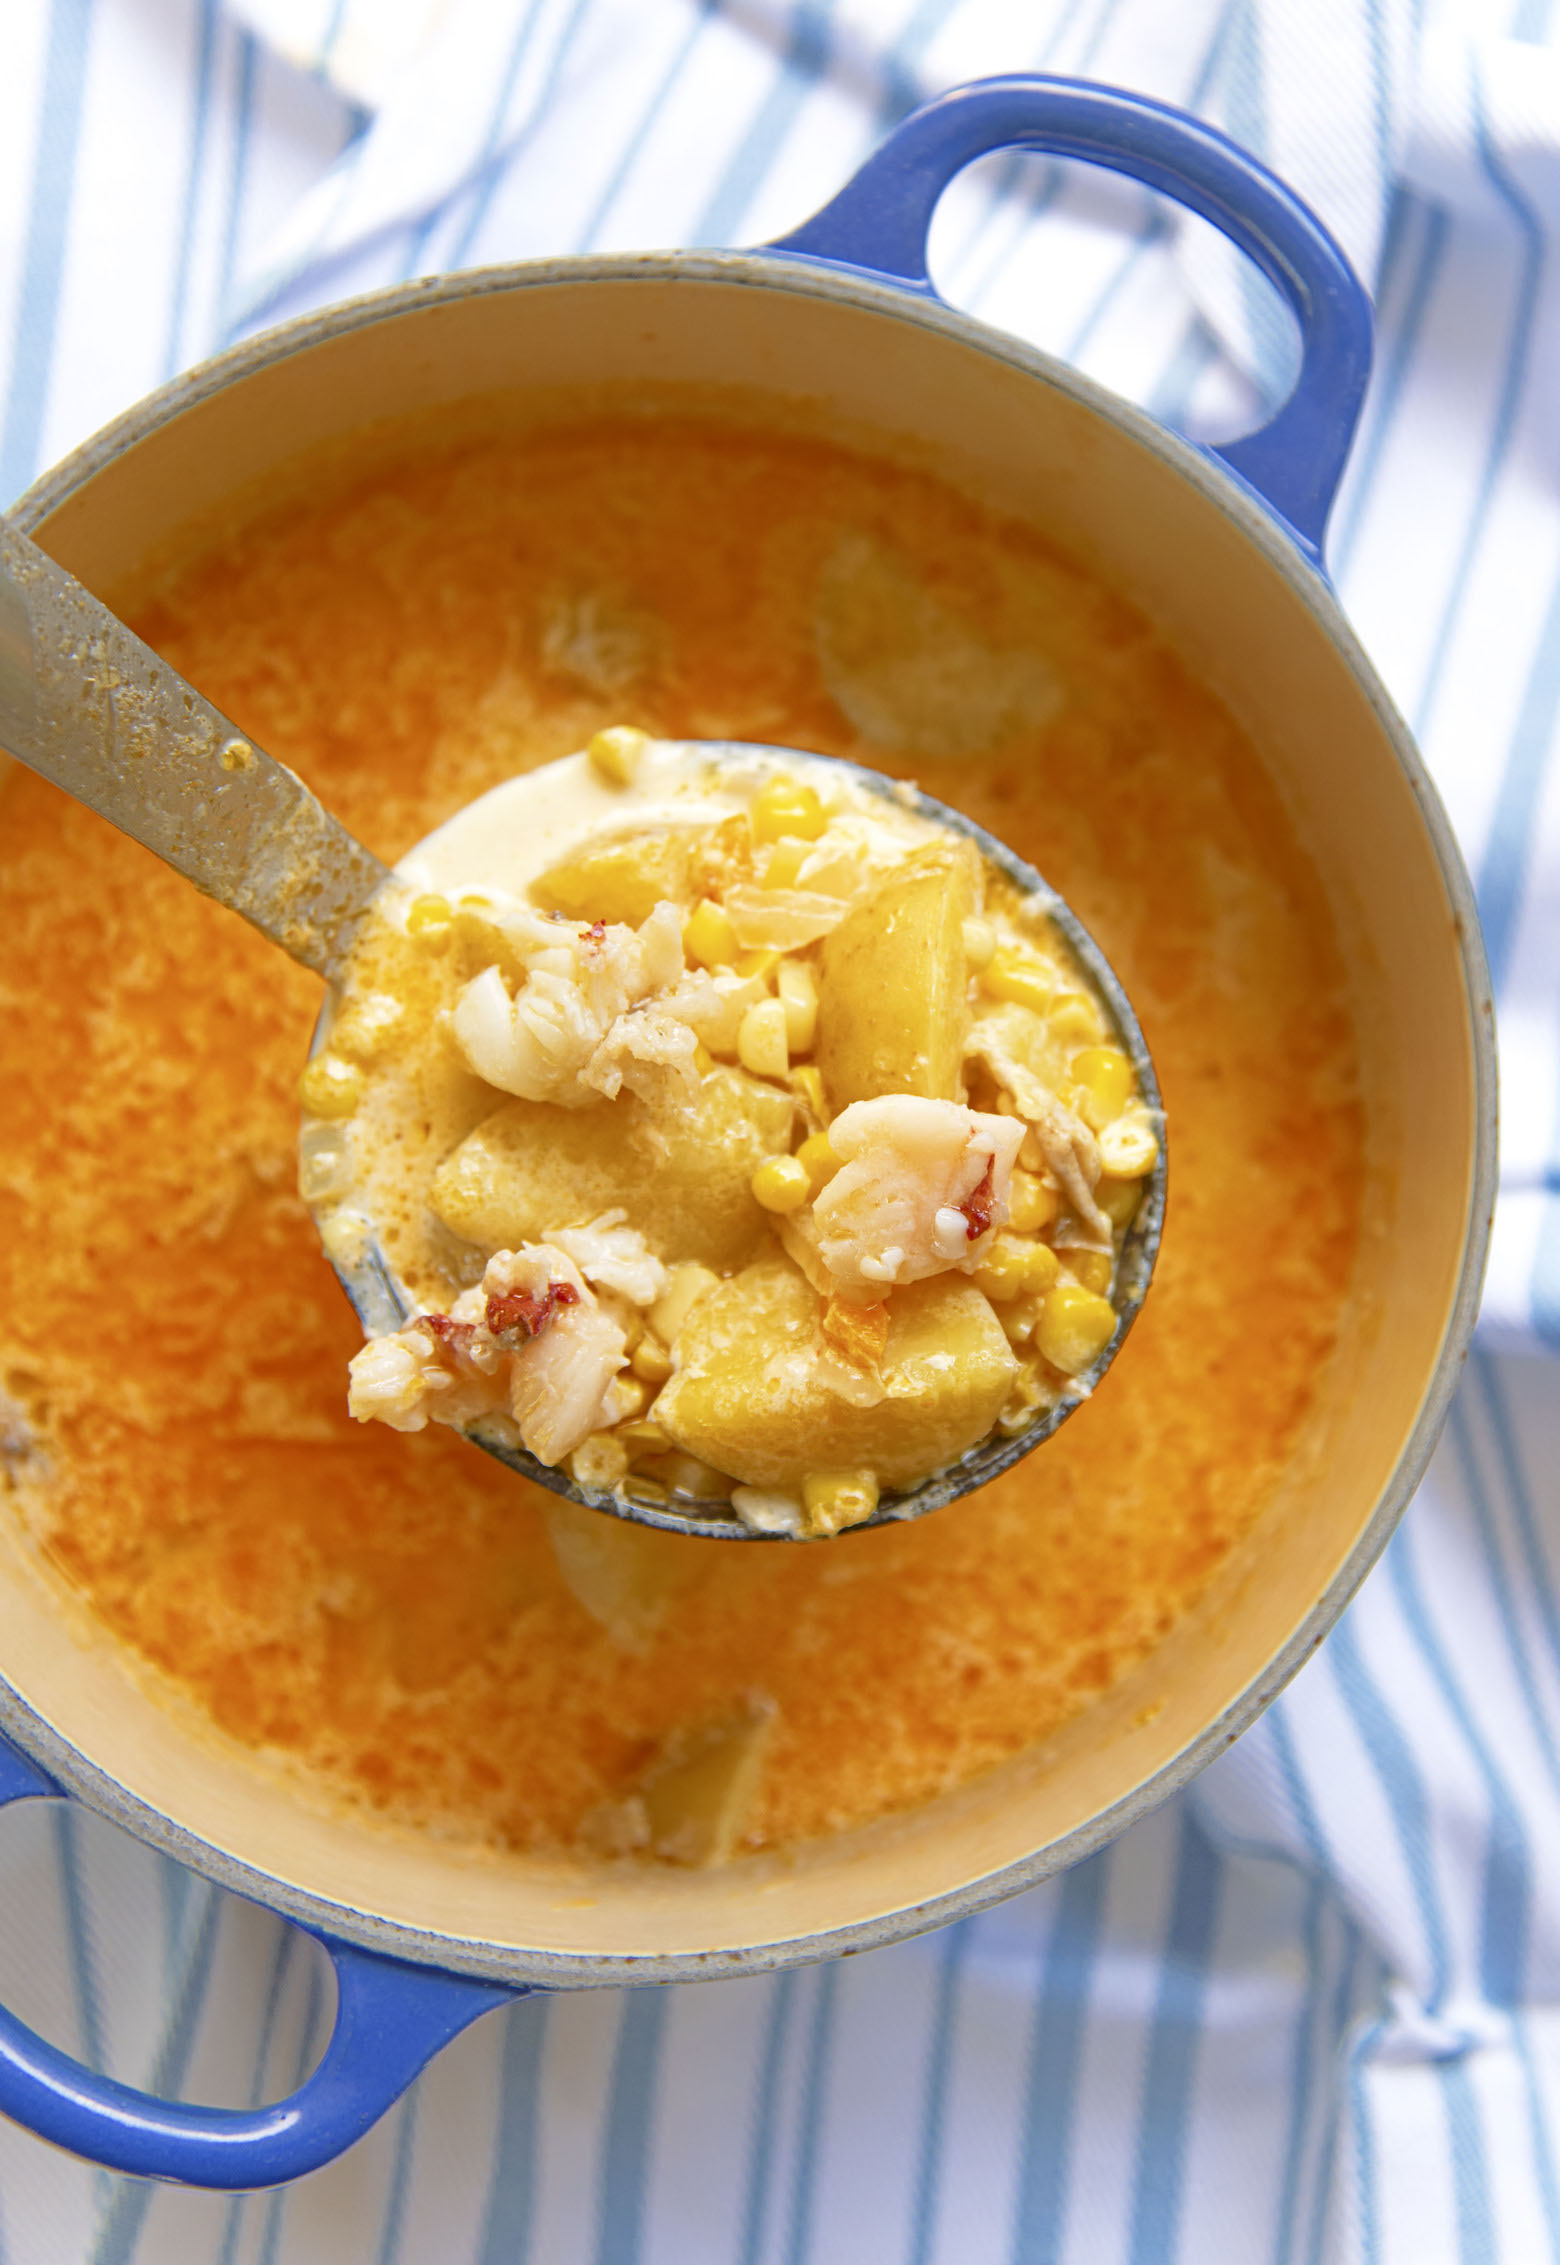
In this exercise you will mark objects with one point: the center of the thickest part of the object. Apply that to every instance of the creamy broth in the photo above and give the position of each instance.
(385, 1613)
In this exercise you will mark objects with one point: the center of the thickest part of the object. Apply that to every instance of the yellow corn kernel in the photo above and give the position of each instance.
(643, 1437)
(1041, 1268)
(625, 1398)
(1092, 1268)
(1105, 1076)
(785, 862)
(806, 1083)
(1013, 975)
(1074, 1328)
(330, 1087)
(1128, 1147)
(761, 1045)
(832, 1500)
(599, 1461)
(1075, 1020)
(615, 754)
(781, 1184)
(651, 1360)
(818, 1161)
(785, 806)
(758, 963)
(431, 921)
(709, 936)
(703, 1059)
(1118, 1199)
(683, 1291)
(799, 997)
(1031, 1203)
(1004, 1271)
(980, 944)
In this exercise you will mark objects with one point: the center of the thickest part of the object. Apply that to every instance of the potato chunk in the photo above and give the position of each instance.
(683, 1176)
(892, 1014)
(626, 879)
(759, 1392)
(692, 1804)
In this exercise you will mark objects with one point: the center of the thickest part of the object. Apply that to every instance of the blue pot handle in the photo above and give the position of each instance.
(880, 219)
(391, 2018)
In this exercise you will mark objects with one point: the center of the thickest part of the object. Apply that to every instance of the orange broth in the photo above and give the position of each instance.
(383, 1613)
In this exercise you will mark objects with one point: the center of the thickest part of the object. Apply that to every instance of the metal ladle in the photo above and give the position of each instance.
(95, 711)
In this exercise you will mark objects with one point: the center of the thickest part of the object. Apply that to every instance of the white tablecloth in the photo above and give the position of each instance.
(1310, 2011)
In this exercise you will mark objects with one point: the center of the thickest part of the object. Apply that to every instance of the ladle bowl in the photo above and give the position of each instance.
(383, 1302)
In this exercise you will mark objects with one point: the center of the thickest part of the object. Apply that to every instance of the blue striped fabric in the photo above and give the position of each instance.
(1311, 2011)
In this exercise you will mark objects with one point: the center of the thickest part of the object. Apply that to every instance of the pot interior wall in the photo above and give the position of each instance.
(1106, 491)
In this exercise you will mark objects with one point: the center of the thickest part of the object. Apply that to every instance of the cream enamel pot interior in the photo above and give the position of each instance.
(837, 331)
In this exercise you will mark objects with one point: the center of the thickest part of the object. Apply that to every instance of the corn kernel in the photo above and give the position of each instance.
(1118, 1199)
(1105, 1077)
(799, 997)
(832, 1500)
(1014, 975)
(1004, 1271)
(758, 963)
(651, 1360)
(1041, 1268)
(599, 1462)
(1092, 1268)
(781, 1184)
(615, 754)
(807, 1085)
(625, 1398)
(330, 1087)
(1075, 1020)
(1031, 1203)
(1075, 1327)
(818, 1161)
(683, 1291)
(1128, 1147)
(703, 1059)
(644, 1437)
(709, 936)
(980, 943)
(785, 861)
(785, 806)
(761, 1045)
(431, 921)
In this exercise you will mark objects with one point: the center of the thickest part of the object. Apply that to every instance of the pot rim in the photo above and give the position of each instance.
(1224, 491)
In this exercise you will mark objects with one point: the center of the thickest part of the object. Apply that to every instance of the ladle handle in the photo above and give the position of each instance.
(85, 703)
(880, 220)
(391, 2019)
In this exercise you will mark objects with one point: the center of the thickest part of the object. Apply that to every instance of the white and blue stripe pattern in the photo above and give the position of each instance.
(1311, 2011)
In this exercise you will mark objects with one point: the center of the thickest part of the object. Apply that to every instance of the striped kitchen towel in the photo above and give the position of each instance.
(1311, 2011)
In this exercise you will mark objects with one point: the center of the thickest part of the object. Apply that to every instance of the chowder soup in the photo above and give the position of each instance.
(401, 1624)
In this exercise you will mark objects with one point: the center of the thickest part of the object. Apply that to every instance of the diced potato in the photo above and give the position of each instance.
(698, 1794)
(892, 1013)
(626, 879)
(683, 1177)
(757, 1390)
(691, 1806)
(624, 1575)
(622, 880)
